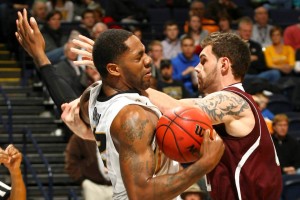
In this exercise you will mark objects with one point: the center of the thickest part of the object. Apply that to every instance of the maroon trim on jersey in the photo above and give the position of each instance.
(248, 168)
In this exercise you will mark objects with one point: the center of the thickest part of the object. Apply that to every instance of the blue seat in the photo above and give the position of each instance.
(295, 134)
(284, 17)
(279, 104)
(293, 114)
(291, 187)
(294, 124)
(181, 15)
(159, 15)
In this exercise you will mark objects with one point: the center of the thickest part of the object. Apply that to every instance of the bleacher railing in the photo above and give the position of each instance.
(8, 124)
(72, 195)
(48, 195)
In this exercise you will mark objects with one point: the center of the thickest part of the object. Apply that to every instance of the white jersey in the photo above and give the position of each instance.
(101, 115)
(4, 191)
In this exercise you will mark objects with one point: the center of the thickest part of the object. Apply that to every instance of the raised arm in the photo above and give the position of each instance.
(18, 190)
(133, 132)
(31, 39)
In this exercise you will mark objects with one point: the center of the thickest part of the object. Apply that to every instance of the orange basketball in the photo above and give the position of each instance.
(179, 133)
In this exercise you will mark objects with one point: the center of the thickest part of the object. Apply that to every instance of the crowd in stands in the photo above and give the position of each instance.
(275, 53)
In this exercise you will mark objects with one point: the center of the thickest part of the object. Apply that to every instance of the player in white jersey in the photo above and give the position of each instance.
(124, 66)
(109, 109)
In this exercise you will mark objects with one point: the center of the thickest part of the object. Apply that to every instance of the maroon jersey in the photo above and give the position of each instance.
(249, 168)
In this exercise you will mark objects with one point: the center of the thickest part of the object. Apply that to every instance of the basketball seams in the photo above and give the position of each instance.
(192, 120)
(169, 128)
(178, 136)
(172, 121)
(171, 131)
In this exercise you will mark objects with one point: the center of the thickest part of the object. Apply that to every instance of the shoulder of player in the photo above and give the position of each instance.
(134, 123)
(225, 96)
(223, 104)
(133, 114)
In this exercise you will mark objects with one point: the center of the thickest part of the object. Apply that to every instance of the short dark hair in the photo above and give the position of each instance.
(276, 28)
(165, 63)
(186, 37)
(231, 46)
(170, 23)
(109, 46)
(52, 13)
(86, 11)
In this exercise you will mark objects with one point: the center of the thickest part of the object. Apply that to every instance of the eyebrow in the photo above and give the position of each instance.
(139, 53)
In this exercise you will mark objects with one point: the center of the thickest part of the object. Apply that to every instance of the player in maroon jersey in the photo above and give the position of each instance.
(249, 168)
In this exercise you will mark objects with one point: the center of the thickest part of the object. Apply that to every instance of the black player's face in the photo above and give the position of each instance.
(135, 65)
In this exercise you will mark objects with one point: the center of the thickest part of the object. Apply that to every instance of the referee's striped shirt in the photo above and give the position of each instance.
(4, 191)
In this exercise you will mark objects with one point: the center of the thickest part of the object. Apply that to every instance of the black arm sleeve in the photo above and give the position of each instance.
(60, 91)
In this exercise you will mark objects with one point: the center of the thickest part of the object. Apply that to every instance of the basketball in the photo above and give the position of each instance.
(179, 133)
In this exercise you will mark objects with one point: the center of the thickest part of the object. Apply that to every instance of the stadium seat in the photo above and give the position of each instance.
(159, 15)
(291, 187)
(290, 16)
(180, 15)
(294, 124)
(295, 134)
(279, 104)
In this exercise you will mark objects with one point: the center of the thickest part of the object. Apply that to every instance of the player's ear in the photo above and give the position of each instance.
(225, 64)
(113, 69)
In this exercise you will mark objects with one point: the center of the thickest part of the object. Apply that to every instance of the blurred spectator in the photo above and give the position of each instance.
(87, 23)
(218, 8)
(99, 15)
(262, 100)
(127, 11)
(81, 163)
(257, 68)
(66, 7)
(168, 85)
(197, 7)
(184, 64)
(278, 55)
(98, 28)
(11, 158)
(196, 32)
(54, 37)
(139, 33)
(8, 22)
(72, 74)
(291, 35)
(155, 51)
(171, 44)
(286, 146)
(82, 5)
(261, 28)
(225, 24)
(39, 11)
(193, 193)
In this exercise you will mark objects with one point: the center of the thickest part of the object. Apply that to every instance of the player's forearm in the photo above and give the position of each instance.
(167, 186)
(18, 191)
(170, 186)
(162, 100)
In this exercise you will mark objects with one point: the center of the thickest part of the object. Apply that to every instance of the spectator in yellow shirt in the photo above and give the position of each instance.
(278, 55)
